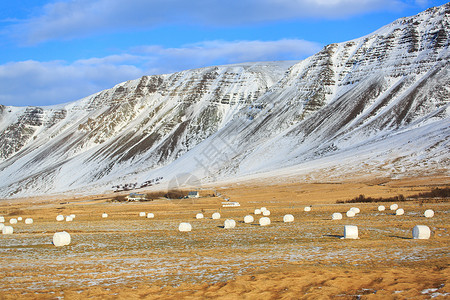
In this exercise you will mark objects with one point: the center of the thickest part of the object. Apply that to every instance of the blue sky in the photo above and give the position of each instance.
(62, 50)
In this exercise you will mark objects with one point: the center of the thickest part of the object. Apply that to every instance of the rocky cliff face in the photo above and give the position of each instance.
(375, 104)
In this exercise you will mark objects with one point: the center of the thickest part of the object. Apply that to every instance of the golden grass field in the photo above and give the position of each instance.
(129, 257)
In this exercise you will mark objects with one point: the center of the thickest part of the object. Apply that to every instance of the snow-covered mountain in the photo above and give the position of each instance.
(376, 105)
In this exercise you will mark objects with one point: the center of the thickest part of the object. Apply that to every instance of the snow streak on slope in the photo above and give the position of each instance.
(378, 104)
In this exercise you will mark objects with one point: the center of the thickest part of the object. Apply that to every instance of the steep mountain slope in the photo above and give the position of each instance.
(378, 104)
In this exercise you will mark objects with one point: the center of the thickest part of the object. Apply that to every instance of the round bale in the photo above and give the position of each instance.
(400, 212)
(7, 230)
(429, 213)
(350, 214)
(307, 208)
(264, 221)
(381, 208)
(72, 216)
(266, 213)
(61, 239)
(69, 219)
(263, 209)
(185, 227)
(2, 219)
(199, 216)
(13, 221)
(229, 223)
(393, 206)
(355, 210)
(142, 214)
(248, 219)
(150, 215)
(19, 219)
(421, 232)
(288, 218)
(336, 216)
(59, 218)
(216, 216)
(350, 232)
(104, 215)
(28, 221)
(1, 226)
(257, 211)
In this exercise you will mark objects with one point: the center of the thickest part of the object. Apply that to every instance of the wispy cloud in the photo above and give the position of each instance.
(78, 18)
(33, 83)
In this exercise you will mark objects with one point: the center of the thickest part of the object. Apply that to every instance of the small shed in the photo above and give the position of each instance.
(193, 194)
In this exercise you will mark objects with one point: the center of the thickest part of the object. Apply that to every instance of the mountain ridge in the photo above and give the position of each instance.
(225, 122)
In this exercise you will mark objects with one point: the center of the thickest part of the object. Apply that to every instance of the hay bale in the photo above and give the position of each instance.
(288, 218)
(150, 215)
(142, 214)
(429, 213)
(19, 219)
(263, 209)
(2, 225)
(258, 211)
(381, 208)
(28, 221)
(229, 223)
(216, 216)
(13, 221)
(350, 214)
(307, 208)
(61, 239)
(393, 206)
(355, 210)
(421, 232)
(7, 230)
(104, 215)
(199, 216)
(184, 227)
(69, 219)
(264, 221)
(2, 219)
(399, 212)
(248, 219)
(336, 216)
(266, 213)
(59, 218)
(72, 216)
(351, 232)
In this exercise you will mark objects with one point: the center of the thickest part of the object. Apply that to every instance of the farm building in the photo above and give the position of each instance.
(193, 194)
(136, 197)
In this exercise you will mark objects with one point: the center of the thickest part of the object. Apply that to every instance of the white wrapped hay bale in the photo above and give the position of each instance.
(381, 208)
(393, 206)
(351, 232)
(104, 215)
(248, 219)
(13, 221)
(258, 211)
(150, 215)
(1, 226)
(355, 210)
(263, 209)
(72, 216)
(336, 216)
(2, 219)
(350, 214)
(400, 212)
(142, 214)
(59, 218)
(288, 218)
(7, 230)
(61, 239)
(307, 208)
(429, 213)
(421, 232)
(19, 219)
(266, 213)
(199, 216)
(69, 219)
(264, 221)
(216, 216)
(229, 223)
(28, 221)
(184, 227)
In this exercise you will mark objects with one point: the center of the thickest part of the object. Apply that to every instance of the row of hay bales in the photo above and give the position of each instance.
(421, 232)
(9, 229)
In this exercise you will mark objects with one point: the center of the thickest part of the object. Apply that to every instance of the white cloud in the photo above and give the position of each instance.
(45, 83)
(76, 18)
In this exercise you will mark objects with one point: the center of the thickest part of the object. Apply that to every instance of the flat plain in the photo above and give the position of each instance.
(126, 256)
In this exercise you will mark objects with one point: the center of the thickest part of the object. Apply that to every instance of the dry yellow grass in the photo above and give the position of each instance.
(130, 257)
